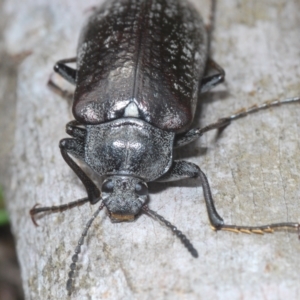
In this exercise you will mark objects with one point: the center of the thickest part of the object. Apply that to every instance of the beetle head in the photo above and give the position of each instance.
(124, 197)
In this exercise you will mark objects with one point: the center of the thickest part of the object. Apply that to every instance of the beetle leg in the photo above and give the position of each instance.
(218, 224)
(59, 91)
(182, 169)
(75, 131)
(76, 148)
(195, 133)
(209, 81)
(59, 208)
(66, 72)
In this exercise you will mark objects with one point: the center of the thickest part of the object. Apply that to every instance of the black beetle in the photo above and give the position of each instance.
(140, 68)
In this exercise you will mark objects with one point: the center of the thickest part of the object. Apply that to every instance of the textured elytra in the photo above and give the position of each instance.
(150, 52)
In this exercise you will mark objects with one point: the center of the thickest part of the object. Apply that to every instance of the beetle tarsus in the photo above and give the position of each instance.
(32, 213)
(270, 228)
(55, 208)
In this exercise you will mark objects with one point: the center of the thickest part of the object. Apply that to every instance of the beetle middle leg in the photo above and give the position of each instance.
(75, 147)
(183, 169)
(195, 133)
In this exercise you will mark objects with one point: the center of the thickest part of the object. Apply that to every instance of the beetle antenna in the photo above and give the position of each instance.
(78, 249)
(185, 241)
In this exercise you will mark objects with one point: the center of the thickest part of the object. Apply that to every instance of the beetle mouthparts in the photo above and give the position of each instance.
(120, 217)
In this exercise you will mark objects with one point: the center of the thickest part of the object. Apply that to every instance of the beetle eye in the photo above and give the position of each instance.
(107, 186)
(141, 189)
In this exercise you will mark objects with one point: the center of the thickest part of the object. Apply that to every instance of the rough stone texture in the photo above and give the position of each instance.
(8, 73)
(253, 169)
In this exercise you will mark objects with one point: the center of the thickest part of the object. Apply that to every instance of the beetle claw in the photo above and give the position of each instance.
(33, 213)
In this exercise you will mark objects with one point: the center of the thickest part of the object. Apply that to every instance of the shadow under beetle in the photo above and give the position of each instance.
(140, 68)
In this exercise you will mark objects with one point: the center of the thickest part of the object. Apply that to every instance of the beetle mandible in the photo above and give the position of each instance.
(140, 68)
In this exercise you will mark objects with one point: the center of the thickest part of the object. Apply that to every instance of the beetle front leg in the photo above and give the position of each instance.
(183, 169)
(76, 148)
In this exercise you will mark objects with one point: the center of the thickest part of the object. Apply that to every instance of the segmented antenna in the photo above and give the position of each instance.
(266, 105)
(185, 241)
(78, 249)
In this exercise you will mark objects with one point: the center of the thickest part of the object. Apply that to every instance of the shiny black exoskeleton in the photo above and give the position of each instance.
(140, 67)
(140, 70)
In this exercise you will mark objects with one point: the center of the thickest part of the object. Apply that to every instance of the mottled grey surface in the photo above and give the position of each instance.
(253, 168)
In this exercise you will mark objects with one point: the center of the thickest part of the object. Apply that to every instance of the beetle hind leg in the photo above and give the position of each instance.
(210, 81)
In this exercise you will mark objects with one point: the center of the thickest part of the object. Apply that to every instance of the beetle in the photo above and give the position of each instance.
(141, 66)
